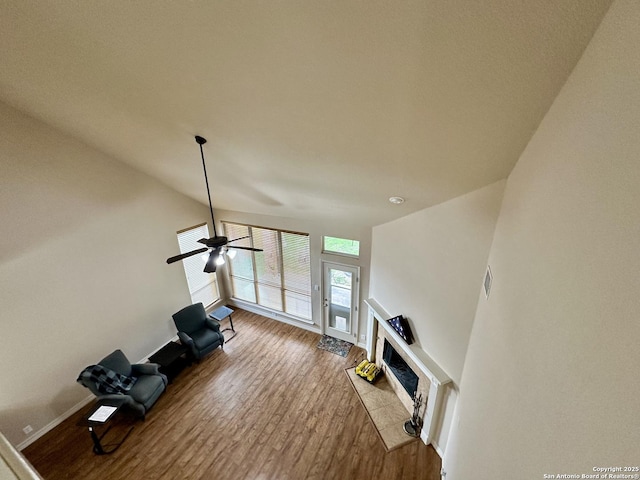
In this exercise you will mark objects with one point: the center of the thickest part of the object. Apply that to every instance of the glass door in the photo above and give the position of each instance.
(340, 300)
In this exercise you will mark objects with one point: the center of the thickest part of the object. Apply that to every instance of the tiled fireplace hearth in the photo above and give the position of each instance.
(431, 378)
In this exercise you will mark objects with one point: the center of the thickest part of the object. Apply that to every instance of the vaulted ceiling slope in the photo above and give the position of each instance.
(314, 109)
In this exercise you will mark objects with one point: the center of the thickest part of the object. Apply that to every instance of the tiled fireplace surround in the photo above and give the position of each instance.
(431, 378)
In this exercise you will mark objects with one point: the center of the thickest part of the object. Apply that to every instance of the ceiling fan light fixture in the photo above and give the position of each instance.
(396, 200)
(231, 254)
(210, 266)
(219, 260)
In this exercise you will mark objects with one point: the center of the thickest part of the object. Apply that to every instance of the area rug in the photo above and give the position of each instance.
(333, 345)
(384, 408)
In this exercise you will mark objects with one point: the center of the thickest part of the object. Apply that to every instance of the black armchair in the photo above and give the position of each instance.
(198, 332)
(147, 387)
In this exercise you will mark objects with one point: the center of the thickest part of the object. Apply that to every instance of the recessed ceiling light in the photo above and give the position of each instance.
(396, 200)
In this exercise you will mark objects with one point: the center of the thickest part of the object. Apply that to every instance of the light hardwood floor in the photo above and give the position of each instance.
(270, 406)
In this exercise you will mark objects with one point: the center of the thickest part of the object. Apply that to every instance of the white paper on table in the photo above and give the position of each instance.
(102, 414)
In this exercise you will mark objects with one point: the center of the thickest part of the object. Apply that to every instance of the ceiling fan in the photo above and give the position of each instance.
(218, 246)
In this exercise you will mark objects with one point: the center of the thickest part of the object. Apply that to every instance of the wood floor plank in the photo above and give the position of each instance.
(269, 406)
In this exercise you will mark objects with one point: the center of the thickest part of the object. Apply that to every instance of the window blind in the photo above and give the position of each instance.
(279, 277)
(267, 267)
(203, 287)
(297, 274)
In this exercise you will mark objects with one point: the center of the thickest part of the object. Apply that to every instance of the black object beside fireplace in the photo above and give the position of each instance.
(403, 372)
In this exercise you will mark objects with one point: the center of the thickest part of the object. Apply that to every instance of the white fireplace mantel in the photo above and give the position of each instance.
(378, 317)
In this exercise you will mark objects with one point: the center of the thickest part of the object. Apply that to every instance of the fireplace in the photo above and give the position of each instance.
(385, 346)
(401, 369)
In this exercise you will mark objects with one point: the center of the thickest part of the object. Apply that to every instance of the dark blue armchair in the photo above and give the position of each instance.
(198, 332)
(148, 382)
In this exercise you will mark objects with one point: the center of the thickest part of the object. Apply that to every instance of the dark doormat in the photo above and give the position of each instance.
(333, 345)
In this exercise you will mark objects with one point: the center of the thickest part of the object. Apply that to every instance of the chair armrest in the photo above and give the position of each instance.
(115, 396)
(185, 339)
(213, 324)
(145, 369)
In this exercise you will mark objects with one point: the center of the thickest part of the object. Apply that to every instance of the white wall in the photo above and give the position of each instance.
(316, 231)
(551, 379)
(429, 267)
(82, 267)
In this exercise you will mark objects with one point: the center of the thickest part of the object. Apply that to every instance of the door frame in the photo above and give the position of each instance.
(355, 301)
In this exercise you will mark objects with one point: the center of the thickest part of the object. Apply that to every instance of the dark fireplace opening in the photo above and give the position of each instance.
(407, 377)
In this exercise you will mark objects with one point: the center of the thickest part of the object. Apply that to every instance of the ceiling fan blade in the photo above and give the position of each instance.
(182, 256)
(246, 248)
(236, 239)
(203, 240)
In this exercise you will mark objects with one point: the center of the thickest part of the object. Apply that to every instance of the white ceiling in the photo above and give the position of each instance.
(315, 109)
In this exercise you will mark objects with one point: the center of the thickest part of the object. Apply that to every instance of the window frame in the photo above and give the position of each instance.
(286, 293)
(342, 254)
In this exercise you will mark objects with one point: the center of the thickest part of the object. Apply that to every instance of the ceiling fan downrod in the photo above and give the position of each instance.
(216, 245)
(201, 141)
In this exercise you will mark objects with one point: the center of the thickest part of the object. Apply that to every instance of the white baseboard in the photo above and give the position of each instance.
(279, 316)
(438, 450)
(146, 359)
(436, 447)
(53, 424)
(312, 327)
(81, 404)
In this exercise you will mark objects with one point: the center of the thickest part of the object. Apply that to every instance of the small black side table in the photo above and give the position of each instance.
(94, 420)
(222, 313)
(172, 358)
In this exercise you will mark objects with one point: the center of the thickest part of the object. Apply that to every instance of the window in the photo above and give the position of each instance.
(279, 277)
(203, 287)
(341, 246)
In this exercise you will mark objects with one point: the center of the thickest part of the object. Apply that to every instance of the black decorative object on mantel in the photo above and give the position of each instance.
(401, 326)
(413, 425)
